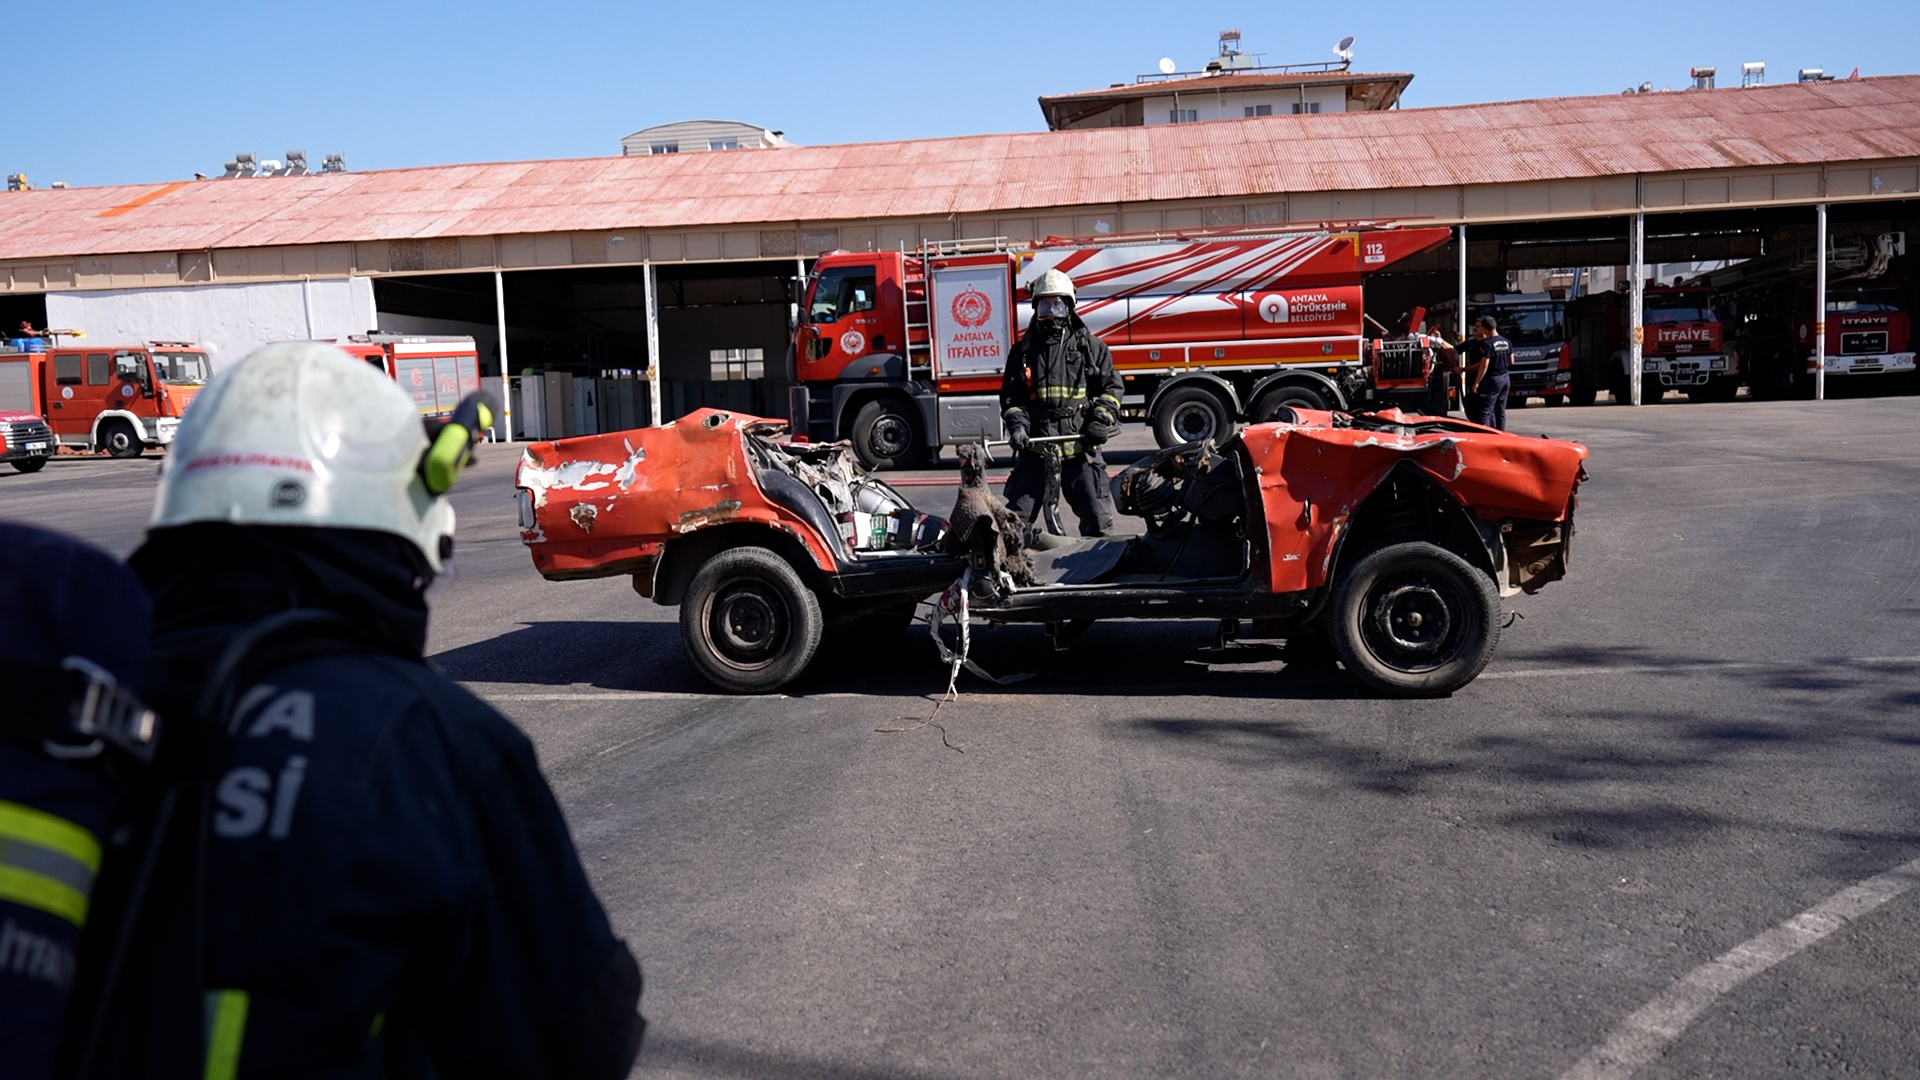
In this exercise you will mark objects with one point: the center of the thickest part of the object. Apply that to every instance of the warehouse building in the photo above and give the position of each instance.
(685, 265)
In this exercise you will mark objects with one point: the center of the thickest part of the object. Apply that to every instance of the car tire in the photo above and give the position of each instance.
(1189, 414)
(887, 434)
(30, 465)
(749, 624)
(1267, 409)
(1412, 619)
(120, 439)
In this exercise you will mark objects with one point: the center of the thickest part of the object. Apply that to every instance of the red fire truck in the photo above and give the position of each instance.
(1682, 346)
(902, 352)
(1767, 306)
(435, 371)
(119, 398)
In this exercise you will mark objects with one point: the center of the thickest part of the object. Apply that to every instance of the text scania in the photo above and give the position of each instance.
(973, 345)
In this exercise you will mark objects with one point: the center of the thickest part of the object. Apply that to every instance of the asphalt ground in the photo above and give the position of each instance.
(1626, 849)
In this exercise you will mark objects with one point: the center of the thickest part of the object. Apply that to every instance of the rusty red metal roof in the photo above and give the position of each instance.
(1542, 139)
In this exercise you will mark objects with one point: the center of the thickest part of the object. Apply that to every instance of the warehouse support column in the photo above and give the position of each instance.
(1460, 304)
(1637, 256)
(506, 379)
(1820, 305)
(653, 341)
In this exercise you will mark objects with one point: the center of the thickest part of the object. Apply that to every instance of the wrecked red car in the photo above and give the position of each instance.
(1389, 537)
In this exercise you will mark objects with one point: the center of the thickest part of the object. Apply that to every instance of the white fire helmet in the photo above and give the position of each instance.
(1053, 283)
(300, 433)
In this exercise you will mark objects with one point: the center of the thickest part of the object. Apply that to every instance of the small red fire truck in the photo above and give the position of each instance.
(902, 352)
(119, 398)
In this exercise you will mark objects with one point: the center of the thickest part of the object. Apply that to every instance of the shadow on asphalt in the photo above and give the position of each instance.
(1112, 659)
(713, 1058)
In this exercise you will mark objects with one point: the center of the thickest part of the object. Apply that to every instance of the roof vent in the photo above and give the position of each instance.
(1753, 73)
(1702, 77)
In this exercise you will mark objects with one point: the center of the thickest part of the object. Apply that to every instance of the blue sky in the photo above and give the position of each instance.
(130, 93)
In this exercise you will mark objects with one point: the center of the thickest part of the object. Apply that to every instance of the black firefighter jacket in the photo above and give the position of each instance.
(1051, 380)
(389, 888)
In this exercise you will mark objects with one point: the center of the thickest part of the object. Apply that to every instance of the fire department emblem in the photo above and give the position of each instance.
(853, 343)
(1273, 308)
(972, 308)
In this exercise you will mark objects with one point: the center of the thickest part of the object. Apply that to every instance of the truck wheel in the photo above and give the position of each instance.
(121, 440)
(1719, 389)
(30, 464)
(1413, 619)
(1582, 396)
(1190, 414)
(887, 435)
(750, 625)
(1282, 397)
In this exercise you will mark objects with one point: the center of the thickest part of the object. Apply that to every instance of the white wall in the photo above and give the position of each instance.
(229, 320)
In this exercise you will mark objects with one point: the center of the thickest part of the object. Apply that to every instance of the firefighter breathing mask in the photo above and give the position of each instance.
(300, 433)
(1051, 307)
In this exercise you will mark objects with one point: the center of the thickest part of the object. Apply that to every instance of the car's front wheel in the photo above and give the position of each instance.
(29, 465)
(1413, 619)
(750, 625)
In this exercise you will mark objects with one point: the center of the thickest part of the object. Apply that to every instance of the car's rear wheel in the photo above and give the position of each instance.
(1413, 619)
(887, 434)
(30, 464)
(1189, 414)
(750, 625)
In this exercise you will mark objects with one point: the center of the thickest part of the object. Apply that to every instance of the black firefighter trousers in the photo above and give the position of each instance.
(1083, 480)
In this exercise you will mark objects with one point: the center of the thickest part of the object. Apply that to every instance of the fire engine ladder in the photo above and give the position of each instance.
(920, 312)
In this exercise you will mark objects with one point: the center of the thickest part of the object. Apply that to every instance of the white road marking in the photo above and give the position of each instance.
(1644, 1035)
(1705, 665)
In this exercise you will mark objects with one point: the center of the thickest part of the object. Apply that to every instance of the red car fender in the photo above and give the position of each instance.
(600, 499)
(1312, 479)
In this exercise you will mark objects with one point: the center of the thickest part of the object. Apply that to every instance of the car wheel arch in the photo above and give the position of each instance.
(685, 555)
(1384, 514)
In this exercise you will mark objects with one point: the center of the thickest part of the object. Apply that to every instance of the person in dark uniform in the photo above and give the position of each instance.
(357, 869)
(1486, 379)
(1060, 381)
(73, 646)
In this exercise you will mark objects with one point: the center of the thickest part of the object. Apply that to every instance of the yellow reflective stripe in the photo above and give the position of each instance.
(44, 830)
(226, 1028)
(39, 891)
(1108, 397)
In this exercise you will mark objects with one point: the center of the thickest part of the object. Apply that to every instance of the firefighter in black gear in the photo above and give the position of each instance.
(351, 867)
(73, 645)
(1060, 381)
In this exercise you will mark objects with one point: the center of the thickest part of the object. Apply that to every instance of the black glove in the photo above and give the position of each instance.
(1017, 438)
(1101, 425)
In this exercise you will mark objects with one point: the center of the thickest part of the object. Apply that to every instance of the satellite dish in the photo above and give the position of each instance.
(1344, 50)
(1167, 66)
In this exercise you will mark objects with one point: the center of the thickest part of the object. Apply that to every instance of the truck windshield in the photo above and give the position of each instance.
(181, 368)
(841, 291)
(1530, 325)
(1861, 305)
(1679, 315)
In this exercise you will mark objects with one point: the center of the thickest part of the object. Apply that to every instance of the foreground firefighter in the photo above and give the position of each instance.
(350, 866)
(1393, 536)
